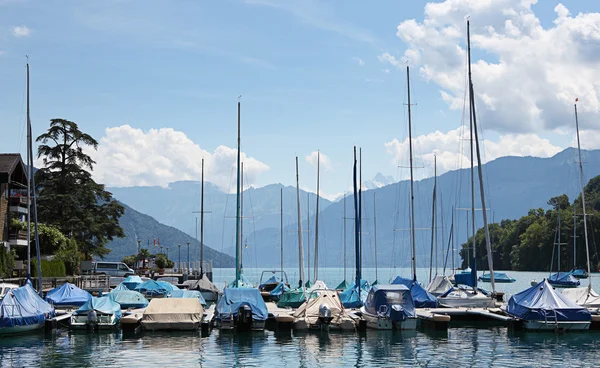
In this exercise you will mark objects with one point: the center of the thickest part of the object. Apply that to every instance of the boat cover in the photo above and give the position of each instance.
(234, 298)
(584, 296)
(397, 298)
(243, 283)
(173, 311)
(310, 309)
(292, 298)
(120, 287)
(132, 281)
(279, 289)
(24, 307)
(167, 285)
(343, 285)
(128, 299)
(317, 285)
(104, 305)
(67, 294)
(439, 285)
(500, 277)
(421, 297)
(203, 284)
(153, 288)
(308, 284)
(187, 294)
(467, 277)
(563, 279)
(349, 297)
(541, 302)
(579, 273)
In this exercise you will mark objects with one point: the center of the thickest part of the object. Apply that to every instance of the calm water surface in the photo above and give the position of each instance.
(460, 346)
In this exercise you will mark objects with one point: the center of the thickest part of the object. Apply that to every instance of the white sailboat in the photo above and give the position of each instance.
(318, 284)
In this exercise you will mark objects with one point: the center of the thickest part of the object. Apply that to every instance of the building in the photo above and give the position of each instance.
(13, 198)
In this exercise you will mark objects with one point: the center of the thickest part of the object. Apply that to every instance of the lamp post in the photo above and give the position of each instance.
(179, 266)
(188, 261)
(137, 262)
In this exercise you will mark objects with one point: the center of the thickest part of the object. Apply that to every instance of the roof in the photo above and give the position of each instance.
(11, 166)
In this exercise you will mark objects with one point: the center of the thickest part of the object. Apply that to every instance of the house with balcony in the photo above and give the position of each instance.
(13, 199)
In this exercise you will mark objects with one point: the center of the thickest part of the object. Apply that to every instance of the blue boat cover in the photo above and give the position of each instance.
(308, 284)
(397, 298)
(541, 301)
(243, 283)
(105, 305)
(563, 279)
(24, 307)
(132, 281)
(120, 287)
(192, 294)
(467, 277)
(349, 297)
(498, 277)
(68, 294)
(128, 299)
(153, 288)
(421, 297)
(234, 298)
(167, 285)
(579, 273)
(280, 289)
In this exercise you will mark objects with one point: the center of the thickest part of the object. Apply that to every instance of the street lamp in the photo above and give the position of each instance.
(179, 267)
(188, 266)
(137, 263)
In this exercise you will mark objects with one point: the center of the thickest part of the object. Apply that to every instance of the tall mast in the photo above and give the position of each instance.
(360, 207)
(316, 263)
(375, 234)
(356, 229)
(202, 222)
(412, 189)
(587, 249)
(242, 218)
(300, 247)
(238, 245)
(433, 221)
(574, 238)
(488, 244)
(281, 228)
(558, 243)
(308, 233)
(471, 113)
(29, 174)
(344, 219)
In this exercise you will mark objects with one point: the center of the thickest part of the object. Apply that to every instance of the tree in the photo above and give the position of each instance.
(69, 254)
(143, 256)
(68, 196)
(130, 260)
(161, 261)
(7, 262)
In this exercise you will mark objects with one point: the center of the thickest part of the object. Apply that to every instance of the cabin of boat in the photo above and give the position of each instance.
(421, 297)
(390, 307)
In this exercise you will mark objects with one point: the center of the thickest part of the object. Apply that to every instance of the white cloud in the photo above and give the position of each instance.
(528, 76)
(324, 161)
(453, 150)
(128, 156)
(21, 31)
(360, 61)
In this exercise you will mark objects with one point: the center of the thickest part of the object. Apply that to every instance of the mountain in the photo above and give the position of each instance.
(513, 186)
(178, 205)
(139, 226)
(377, 182)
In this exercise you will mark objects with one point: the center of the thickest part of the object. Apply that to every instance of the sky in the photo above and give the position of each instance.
(157, 84)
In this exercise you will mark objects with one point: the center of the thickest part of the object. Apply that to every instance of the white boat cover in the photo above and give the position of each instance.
(310, 310)
(583, 296)
(184, 311)
(439, 285)
(318, 285)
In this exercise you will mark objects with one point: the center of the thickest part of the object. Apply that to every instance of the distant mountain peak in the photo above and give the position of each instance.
(378, 181)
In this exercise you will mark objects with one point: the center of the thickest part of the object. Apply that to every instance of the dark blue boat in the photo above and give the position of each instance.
(421, 297)
(68, 295)
(499, 277)
(563, 280)
(390, 307)
(241, 308)
(579, 273)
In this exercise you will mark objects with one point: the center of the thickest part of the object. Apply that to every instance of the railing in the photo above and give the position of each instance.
(91, 283)
(17, 235)
(17, 201)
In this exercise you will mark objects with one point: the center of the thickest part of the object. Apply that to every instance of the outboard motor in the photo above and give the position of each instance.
(244, 318)
(325, 317)
(397, 313)
(92, 320)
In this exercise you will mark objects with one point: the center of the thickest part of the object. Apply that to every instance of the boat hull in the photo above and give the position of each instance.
(553, 326)
(302, 324)
(175, 326)
(230, 324)
(384, 323)
(467, 302)
(20, 329)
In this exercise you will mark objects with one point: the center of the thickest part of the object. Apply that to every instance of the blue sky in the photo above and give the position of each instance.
(313, 75)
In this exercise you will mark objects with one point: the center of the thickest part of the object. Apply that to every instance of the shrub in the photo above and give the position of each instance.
(53, 268)
(7, 262)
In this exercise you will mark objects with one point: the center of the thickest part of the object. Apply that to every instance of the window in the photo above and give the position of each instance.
(107, 266)
(123, 267)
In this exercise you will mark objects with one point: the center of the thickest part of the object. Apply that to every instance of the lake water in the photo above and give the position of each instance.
(460, 346)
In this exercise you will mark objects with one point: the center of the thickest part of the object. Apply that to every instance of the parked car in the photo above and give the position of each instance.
(117, 269)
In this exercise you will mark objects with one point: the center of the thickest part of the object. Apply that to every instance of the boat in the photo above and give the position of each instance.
(541, 307)
(173, 314)
(563, 280)
(209, 291)
(241, 308)
(439, 285)
(101, 313)
(342, 286)
(499, 277)
(467, 294)
(67, 295)
(132, 281)
(22, 310)
(5, 288)
(390, 307)
(265, 287)
(583, 296)
(154, 289)
(323, 311)
(193, 294)
(579, 273)
(421, 297)
(128, 299)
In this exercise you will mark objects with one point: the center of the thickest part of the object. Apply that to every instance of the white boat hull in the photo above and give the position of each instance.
(20, 329)
(383, 323)
(560, 325)
(104, 322)
(466, 299)
(177, 326)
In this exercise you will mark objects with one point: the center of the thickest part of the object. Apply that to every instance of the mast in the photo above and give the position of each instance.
(360, 208)
(202, 222)
(471, 113)
(242, 218)
(238, 230)
(433, 220)
(488, 244)
(412, 189)
(29, 173)
(344, 219)
(308, 233)
(574, 238)
(356, 228)
(281, 228)
(316, 263)
(558, 243)
(300, 247)
(375, 234)
(587, 249)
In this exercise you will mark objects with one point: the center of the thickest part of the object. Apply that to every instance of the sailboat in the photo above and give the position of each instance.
(274, 286)
(241, 307)
(560, 279)
(462, 295)
(584, 296)
(421, 297)
(578, 273)
(22, 309)
(318, 284)
(344, 284)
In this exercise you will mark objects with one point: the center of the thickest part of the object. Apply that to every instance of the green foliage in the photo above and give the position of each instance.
(161, 260)
(53, 268)
(143, 256)
(7, 262)
(69, 254)
(69, 198)
(130, 260)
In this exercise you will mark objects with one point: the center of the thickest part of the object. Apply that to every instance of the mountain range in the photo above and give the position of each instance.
(513, 186)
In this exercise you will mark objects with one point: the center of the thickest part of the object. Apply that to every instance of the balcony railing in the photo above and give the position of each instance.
(17, 235)
(17, 201)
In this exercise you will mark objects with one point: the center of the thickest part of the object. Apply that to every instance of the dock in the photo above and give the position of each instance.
(54, 323)
(280, 318)
(473, 315)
